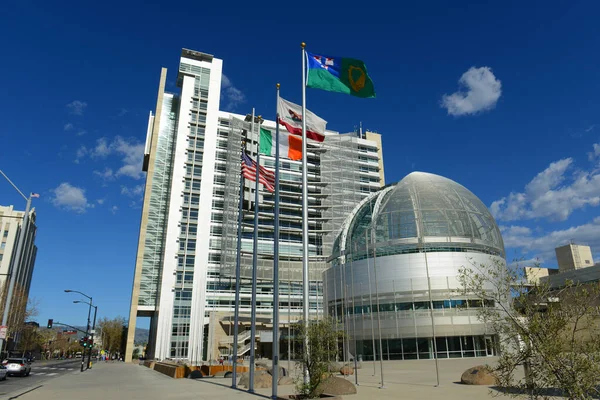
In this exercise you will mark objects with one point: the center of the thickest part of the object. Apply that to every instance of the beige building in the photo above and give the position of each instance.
(573, 256)
(11, 227)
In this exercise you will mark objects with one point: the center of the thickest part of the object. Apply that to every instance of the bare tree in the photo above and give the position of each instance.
(552, 332)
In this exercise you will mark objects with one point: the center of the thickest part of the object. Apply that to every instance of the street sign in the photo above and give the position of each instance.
(69, 332)
(3, 330)
(92, 331)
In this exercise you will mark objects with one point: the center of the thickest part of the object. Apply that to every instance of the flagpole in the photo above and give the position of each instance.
(275, 351)
(305, 281)
(238, 262)
(254, 264)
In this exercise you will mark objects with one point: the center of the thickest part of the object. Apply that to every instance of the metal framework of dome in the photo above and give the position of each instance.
(422, 211)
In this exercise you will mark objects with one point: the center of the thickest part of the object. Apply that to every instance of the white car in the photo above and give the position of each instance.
(3, 373)
(18, 366)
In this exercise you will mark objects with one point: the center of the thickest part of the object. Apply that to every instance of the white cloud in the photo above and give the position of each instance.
(69, 126)
(122, 112)
(80, 153)
(590, 128)
(69, 197)
(134, 191)
(233, 95)
(481, 93)
(107, 174)
(100, 201)
(81, 132)
(132, 153)
(594, 154)
(543, 246)
(552, 194)
(76, 107)
(102, 149)
(114, 209)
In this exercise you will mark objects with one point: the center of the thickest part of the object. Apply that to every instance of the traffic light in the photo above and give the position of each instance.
(50, 323)
(85, 341)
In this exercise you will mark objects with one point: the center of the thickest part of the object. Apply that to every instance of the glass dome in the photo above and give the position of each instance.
(421, 211)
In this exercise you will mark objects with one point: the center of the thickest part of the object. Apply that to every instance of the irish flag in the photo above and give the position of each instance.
(290, 146)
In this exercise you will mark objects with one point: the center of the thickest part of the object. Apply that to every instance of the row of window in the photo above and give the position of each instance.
(412, 306)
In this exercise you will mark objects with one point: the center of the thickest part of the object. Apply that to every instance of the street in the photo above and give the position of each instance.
(41, 371)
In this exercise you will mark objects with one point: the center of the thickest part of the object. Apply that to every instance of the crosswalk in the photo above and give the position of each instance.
(49, 371)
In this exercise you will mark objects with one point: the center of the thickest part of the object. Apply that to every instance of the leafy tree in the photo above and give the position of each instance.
(553, 332)
(136, 353)
(323, 341)
(112, 333)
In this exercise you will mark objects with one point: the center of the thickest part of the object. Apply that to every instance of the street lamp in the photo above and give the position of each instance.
(93, 329)
(88, 319)
(18, 255)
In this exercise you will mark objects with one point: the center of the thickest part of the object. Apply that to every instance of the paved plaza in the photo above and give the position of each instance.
(403, 379)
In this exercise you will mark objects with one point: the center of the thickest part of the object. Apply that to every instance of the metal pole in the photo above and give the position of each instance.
(87, 333)
(437, 369)
(371, 303)
(92, 338)
(378, 309)
(16, 264)
(254, 265)
(305, 281)
(237, 281)
(275, 351)
(354, 320)
(289, 323)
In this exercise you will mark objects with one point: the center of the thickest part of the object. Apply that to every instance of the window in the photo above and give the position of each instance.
(5, 233)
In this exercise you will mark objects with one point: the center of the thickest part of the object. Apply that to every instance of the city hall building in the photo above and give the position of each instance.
(184, 280)
(396, 263)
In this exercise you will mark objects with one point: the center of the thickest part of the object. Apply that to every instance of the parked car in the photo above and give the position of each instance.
(3, 373)
(18, 366)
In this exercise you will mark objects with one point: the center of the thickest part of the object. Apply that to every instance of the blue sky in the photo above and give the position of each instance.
(501, 97)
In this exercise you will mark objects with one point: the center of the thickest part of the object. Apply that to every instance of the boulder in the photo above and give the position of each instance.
(334, 367)
(286, 380)
(195, 374)
(336, 386)
(479, 375)
(282, 371)
(347, 370)
(262, 379)
(223, 374)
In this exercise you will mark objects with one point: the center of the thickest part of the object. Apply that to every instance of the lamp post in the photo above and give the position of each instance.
(88, 320)
(89, 363)
(13, 272)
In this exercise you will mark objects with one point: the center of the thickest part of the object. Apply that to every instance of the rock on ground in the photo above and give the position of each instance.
(347, 370)
(479, 375)
(286, 380)
(195, 374)
(282, 371)
(262, 379)
(336, 386)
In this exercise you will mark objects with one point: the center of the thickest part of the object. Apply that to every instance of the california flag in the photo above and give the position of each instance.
(290, 116)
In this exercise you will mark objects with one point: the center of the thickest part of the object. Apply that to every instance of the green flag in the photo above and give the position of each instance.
(337, 74)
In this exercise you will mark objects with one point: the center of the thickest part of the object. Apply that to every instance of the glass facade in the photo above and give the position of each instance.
(159, 205)
(397, 260)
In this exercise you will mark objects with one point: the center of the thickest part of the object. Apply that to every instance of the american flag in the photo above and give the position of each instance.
(266, 177)
(36, 195)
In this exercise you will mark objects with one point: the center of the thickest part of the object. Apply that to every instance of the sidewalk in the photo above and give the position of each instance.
(403, 379)
(107, 381)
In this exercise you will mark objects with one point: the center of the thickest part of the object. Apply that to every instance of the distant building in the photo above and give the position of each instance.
(535, 274)
(573, 256)
(11, 227)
